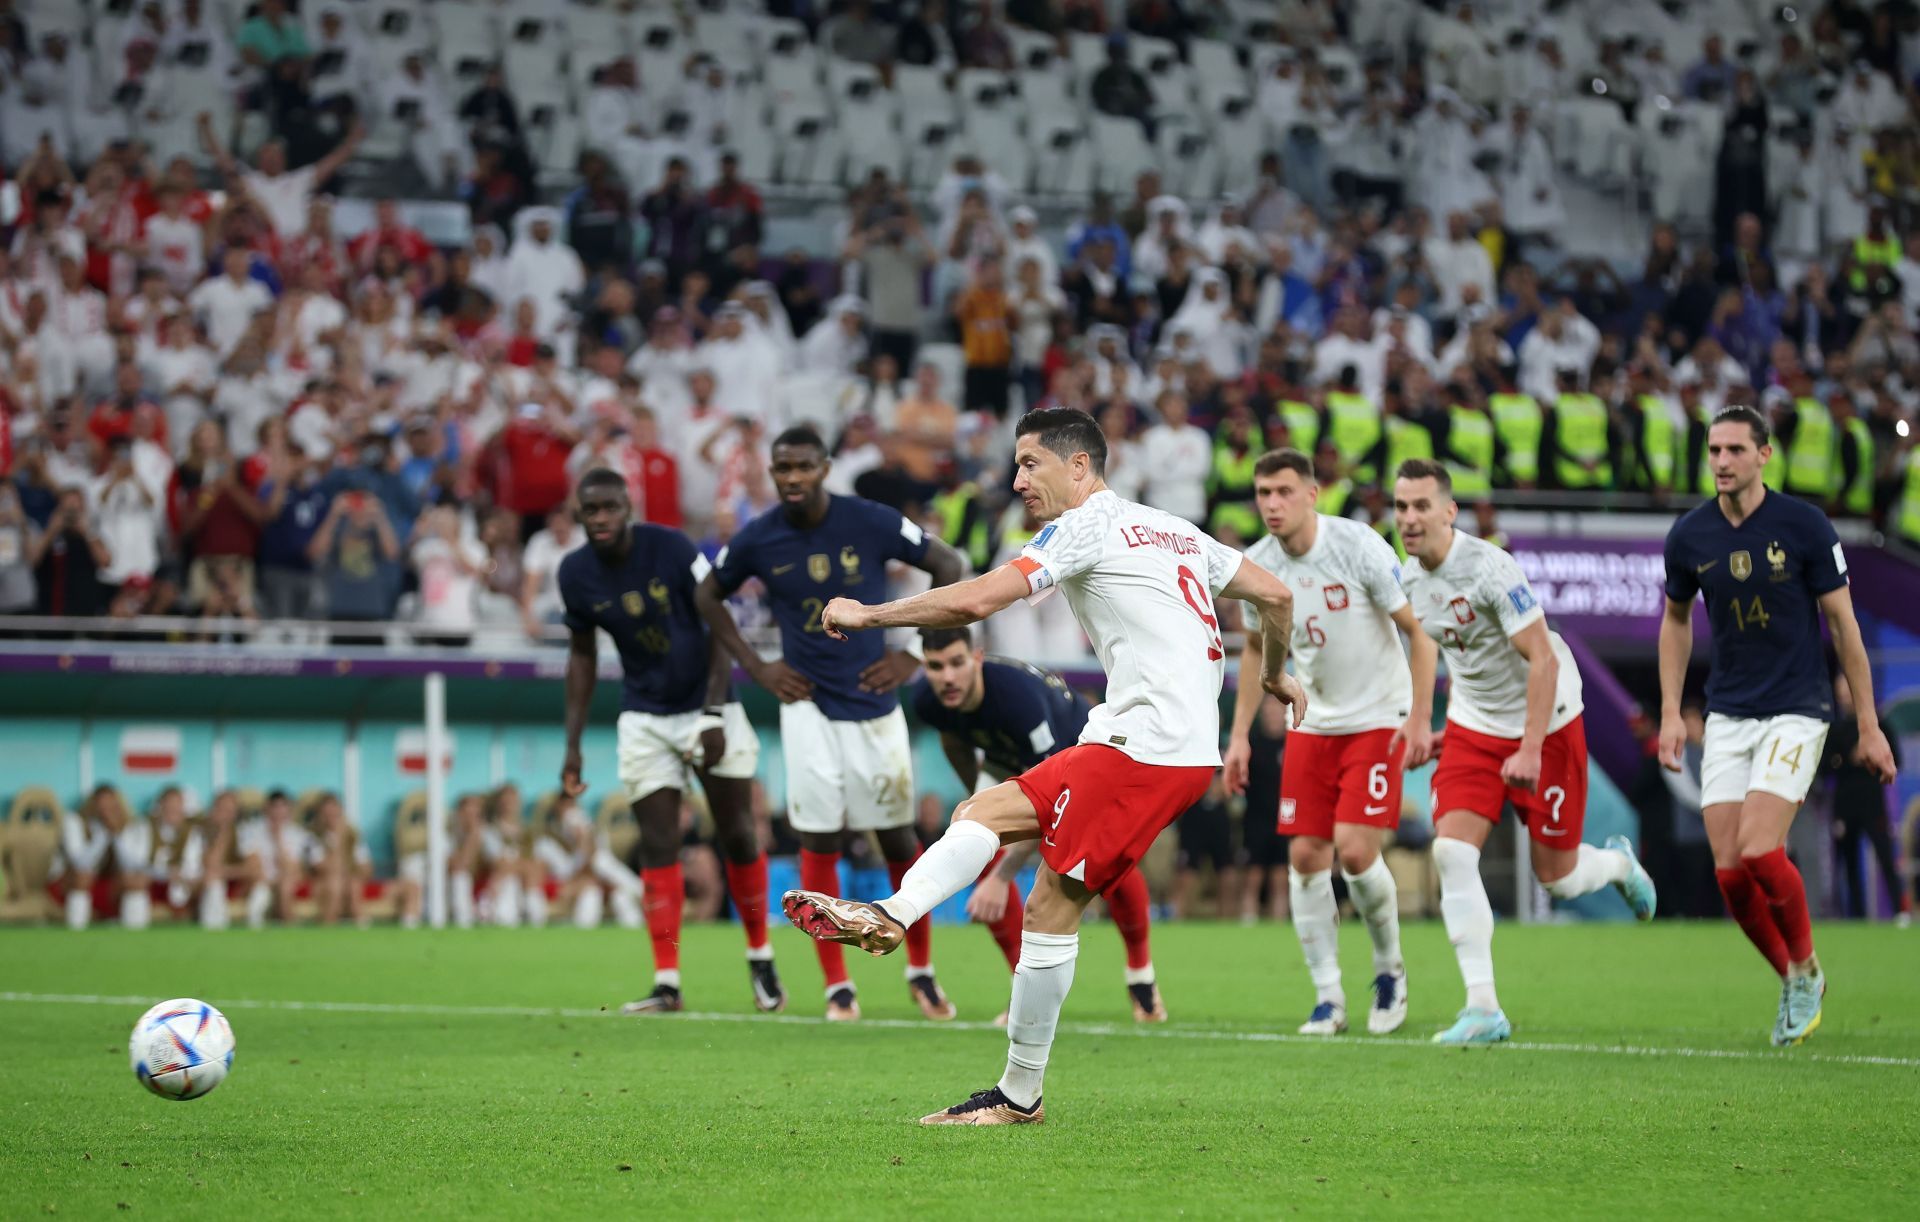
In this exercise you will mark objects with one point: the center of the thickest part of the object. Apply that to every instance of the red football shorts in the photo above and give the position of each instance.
(1101, 810)
(1555, 811)
(1339, 778)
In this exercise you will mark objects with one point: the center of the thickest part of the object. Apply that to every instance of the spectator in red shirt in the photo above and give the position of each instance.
(526, 465)
(219, 523)
(389, 229)
(734, 216)
(113, 416)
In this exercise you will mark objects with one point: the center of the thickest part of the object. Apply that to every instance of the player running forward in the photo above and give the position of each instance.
(998, 718)
(637, 582)
(848, 755)
(1766, 565)
(1514, 734)
(1372, 717)
(1142, 584)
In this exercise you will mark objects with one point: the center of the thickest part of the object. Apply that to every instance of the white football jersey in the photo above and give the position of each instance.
(1141, 583)
(1346, 651)
(1472, 605)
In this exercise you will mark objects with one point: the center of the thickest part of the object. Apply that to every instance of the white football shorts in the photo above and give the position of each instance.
(657, 751)
(1776, 755)
(846, 775)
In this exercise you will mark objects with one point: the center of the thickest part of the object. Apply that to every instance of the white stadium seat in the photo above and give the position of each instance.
(1216, 72)
(1120, 151)
(464, 43)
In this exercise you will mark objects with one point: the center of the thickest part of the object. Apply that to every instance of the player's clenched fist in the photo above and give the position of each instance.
(1874, 753)
(1289, 692)
(844, 615)
(1522, 768)
(1673, 741)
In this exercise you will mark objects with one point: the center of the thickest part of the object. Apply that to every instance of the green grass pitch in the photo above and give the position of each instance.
(475, 1074)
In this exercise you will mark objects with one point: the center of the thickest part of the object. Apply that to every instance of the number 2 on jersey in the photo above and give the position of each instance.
(1195, 592)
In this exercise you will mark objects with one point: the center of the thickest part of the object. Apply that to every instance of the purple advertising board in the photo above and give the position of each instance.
(1609, 591)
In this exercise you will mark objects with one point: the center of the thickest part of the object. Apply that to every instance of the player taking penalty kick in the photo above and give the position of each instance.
(1766, 565)
(1371, 717)
(1513, 735)
(636, 583)
(1142, 584)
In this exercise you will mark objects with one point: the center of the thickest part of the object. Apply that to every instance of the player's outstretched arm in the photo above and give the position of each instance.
(1676, 650)
(1423, 657)
(1274, 602)
(1522, 768)
(1874, 751)
(582, 672)
(948, 606)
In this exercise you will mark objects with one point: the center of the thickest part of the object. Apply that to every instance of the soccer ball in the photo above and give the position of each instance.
(181, 1049)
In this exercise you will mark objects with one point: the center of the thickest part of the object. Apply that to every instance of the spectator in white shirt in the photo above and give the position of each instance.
(1177, 457)
(226, 304)
(540, 592)
(414, 99)
(284, 195)
(1347, 344)
(1561, 340)
(183, 371)
(130, 517)
(1459, 260)
(448, 564)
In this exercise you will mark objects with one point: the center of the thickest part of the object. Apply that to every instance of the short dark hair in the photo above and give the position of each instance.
(1273, 462)
(939, 638)
(800, 435)
(1066, 431)
(601, 477)
(1426, 468)
(1740, 413)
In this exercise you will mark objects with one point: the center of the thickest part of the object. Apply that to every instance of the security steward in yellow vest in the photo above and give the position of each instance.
(1468, 442)
(1230, 482)
(1580, 436)
(1854, 494)
(1652, 446)
(1698, 472)
(1520, 424)
(1806, 430)
(1353, 425)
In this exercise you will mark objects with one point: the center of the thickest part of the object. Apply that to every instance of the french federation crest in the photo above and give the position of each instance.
(1777, 557)
(850, 562)
(632, 603)
(657, 591)
(819, 567)
(1740, 564)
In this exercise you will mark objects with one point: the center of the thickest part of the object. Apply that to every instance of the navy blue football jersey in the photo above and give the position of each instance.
(845, 556)
(1762, 581)
(1025, 715)
(645, 603)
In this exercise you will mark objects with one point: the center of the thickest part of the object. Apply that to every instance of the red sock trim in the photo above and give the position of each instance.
(920, 933)
(1780, 881)
(666, 901)
(1131, 907)
(821, 872)
(747, 885)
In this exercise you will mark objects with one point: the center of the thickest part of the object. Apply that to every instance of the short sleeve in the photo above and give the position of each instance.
(1222, 562)
(1682, 582)
(905, 540)
(1379, 574)
(570, 598)
(734, 564)
(1512, 600)
(1825, 569)
(1065, 547)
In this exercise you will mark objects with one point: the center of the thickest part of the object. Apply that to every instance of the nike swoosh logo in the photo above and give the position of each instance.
(1701, 568)
(601, 606)
(1376, 810)
(782, 568)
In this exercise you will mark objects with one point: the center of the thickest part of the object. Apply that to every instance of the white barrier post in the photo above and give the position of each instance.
(436, 699)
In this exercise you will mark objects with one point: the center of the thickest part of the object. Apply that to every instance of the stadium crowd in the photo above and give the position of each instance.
(214, 403)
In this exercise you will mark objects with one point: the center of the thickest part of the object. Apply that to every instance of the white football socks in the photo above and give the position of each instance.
(1040, 985)
(506, 901)
(626, 910)
(1596, 868)
(136, 908)
(589, 908)
(534, 905)
(1468, 917)
(79, 908)
(948, 866)
(460, 898)
(1377, 900)
(213, 905)
(1316, 920)
(259, 899)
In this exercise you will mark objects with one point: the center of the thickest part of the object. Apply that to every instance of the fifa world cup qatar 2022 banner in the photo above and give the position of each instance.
(1610, 591)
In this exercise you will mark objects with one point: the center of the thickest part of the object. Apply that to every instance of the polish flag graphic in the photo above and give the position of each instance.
(150, 750)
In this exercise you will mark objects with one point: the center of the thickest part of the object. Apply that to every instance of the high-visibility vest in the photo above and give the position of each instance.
(1334, 498)
(1231, 483)
(964, 524)
(1303, 424)
(1519, 422)
(1355, 425)
(1909, 516)
(1813, 465)
(1470, 437)
(1581, 420)
(1657, 439)
(1389, 530)
(1703, 477)
(1774, 474)
(1406, 439)
(1857, 497)
(1869, 253)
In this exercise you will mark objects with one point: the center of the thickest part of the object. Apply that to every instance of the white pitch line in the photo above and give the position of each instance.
(902, 1024)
